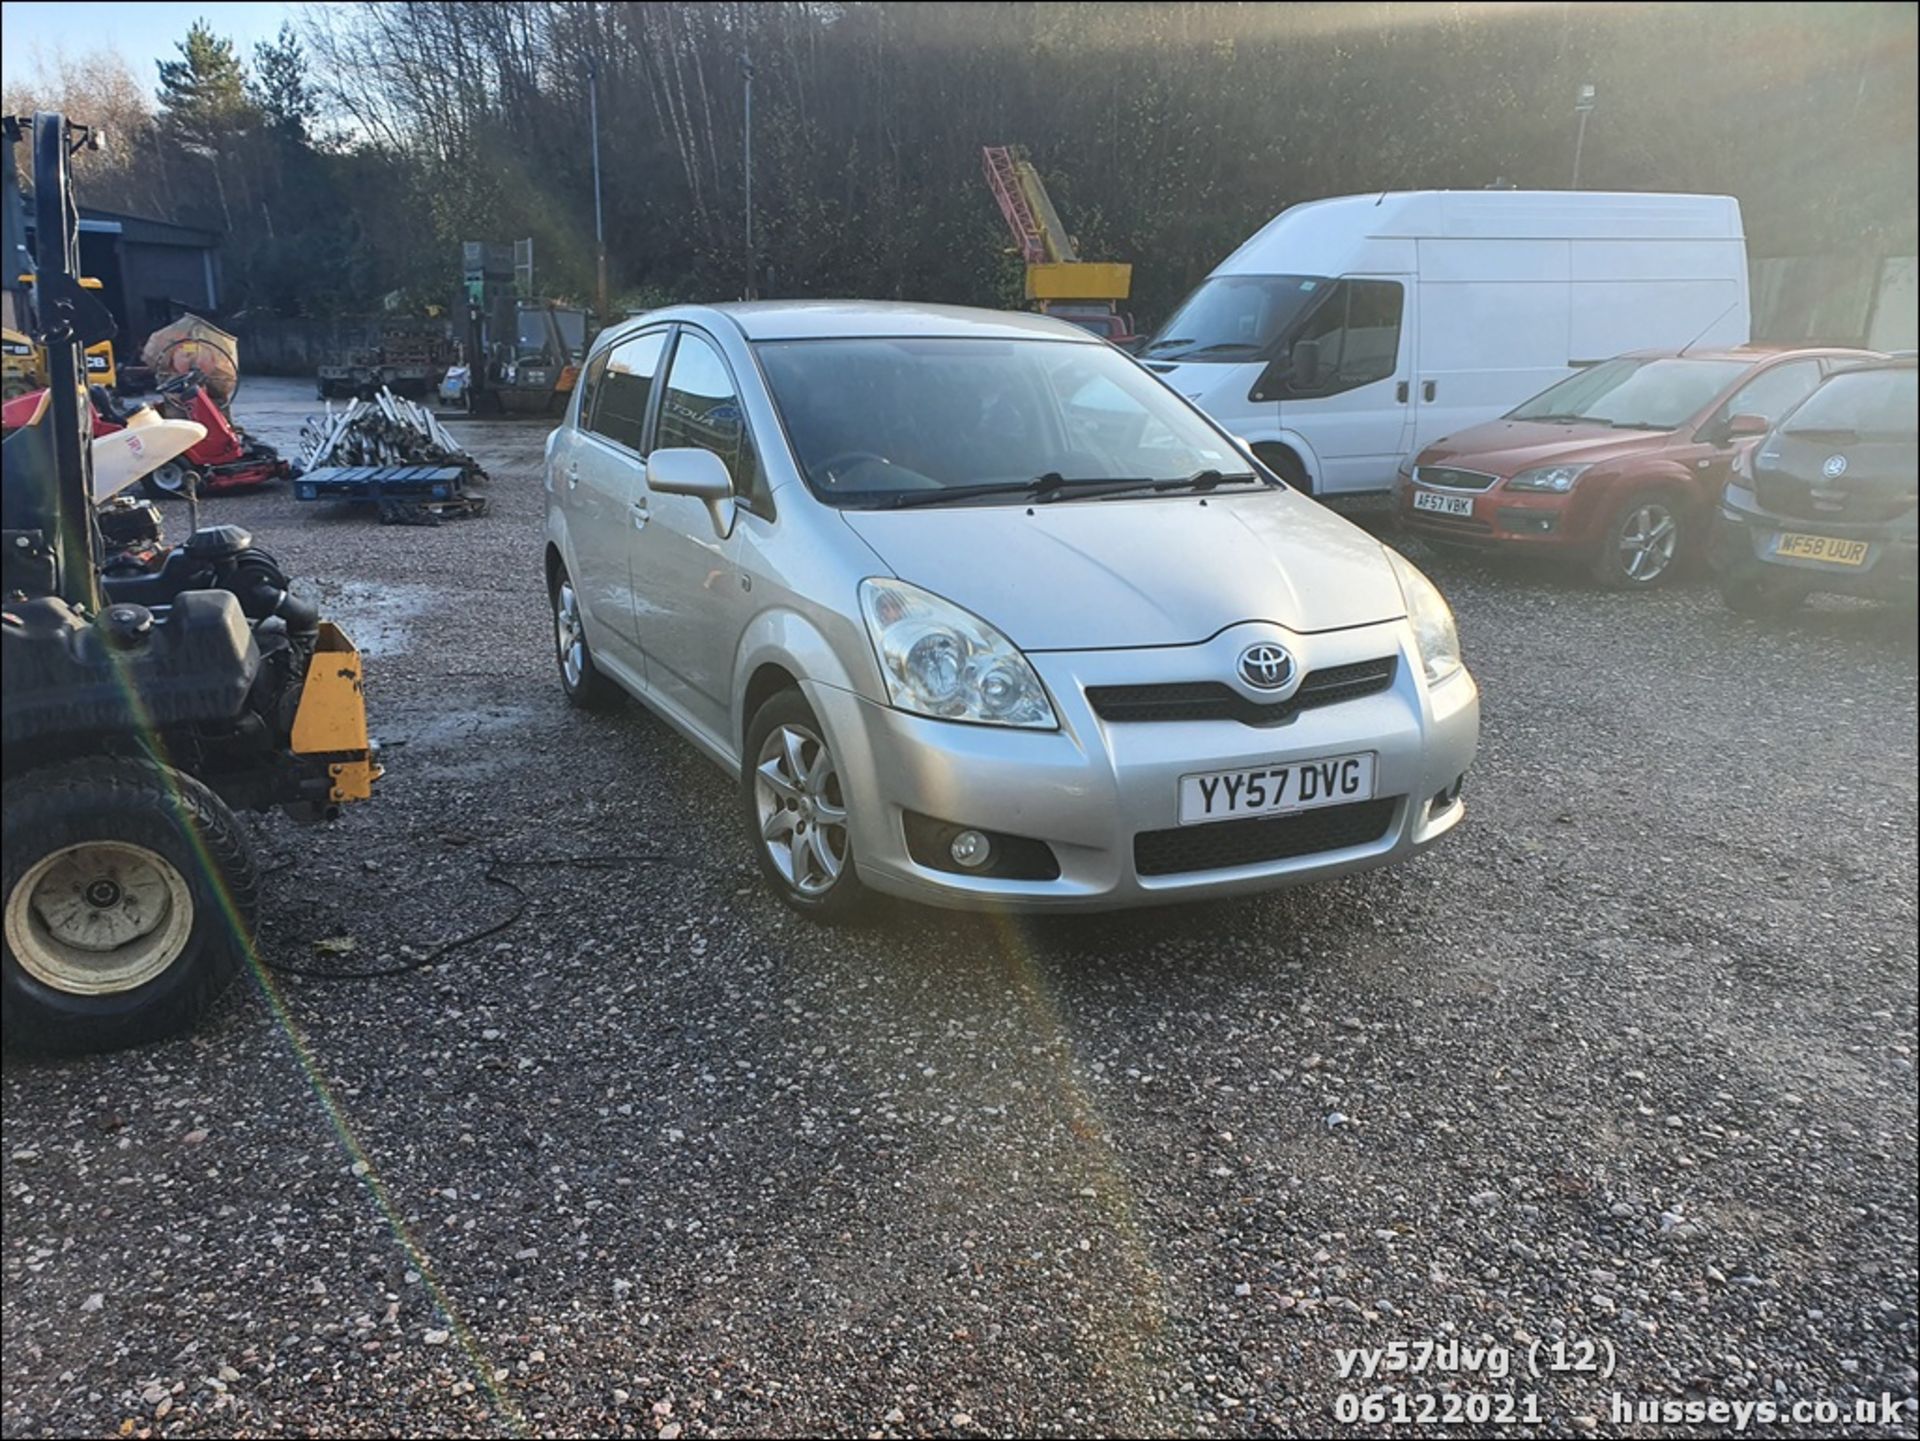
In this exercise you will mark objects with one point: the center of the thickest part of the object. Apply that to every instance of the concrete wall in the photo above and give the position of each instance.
(1896, 309)
(1834, 300)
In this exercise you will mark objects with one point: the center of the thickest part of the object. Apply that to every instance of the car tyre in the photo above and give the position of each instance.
(130, 895)
(580, 678)
(1644, 543)
(795, 811)
(1760, 596)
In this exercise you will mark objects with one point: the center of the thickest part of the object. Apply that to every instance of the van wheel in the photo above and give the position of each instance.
(1643, 542)
(580, 678)
(795, 807)
(1285, 464)
(1762, 596)
(129, 904)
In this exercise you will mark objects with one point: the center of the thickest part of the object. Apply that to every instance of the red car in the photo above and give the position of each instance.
(1620, 465)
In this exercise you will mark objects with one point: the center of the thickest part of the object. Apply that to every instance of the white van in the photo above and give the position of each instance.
(1347, 334)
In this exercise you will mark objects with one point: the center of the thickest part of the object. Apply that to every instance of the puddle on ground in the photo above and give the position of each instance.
(378, 618)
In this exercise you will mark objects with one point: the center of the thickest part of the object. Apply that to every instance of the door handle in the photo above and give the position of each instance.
(1400, 392)
(641, 515)
(573, 474)
(1426, 389)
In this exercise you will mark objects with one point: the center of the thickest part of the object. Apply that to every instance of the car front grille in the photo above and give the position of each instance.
(1224, 844)
(1852, 504)
(1215, 700)
(1464, 526)
(1453, 478)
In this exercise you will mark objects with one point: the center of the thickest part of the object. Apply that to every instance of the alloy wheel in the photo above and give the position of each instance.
(569, 638)
(1647, 538)
(801, 809)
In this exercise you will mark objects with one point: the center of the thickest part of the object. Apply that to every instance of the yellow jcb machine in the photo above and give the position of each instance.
(29, 362)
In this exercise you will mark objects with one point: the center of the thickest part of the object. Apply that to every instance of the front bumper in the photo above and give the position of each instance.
(1500, 518)
(1090, 788)
(1746, 541)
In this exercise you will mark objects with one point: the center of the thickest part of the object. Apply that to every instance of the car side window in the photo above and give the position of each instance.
(1357, 328)
(589, 384)
(700, 409)
(1773, 392)
(620, 409)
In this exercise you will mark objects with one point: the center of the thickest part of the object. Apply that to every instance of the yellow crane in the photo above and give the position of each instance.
(1086, 292)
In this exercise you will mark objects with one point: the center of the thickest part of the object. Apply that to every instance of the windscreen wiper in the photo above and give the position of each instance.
(1556, 419)
(1215, 349)
(1200, 481)
(1039, 488)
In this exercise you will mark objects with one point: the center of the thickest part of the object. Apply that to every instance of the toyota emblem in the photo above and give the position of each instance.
(1835, 467)
(1266, 666)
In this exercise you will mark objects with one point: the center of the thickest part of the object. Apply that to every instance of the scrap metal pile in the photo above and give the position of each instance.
(391, 453)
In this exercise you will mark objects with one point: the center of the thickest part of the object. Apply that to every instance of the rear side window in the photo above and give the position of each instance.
(620, 411)
(701, 410)
(1772, 393)
(590, 383)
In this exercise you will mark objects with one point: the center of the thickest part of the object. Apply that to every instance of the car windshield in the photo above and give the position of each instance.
(1235, 317)
(879, 421)
(1635, 394)
(1872, 404)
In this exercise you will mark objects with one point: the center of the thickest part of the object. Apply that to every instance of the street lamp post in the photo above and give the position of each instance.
(746, 77)
(599, 221)
(1582, 107)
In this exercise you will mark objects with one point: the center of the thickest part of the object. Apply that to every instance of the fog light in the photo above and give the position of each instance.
(970, 849)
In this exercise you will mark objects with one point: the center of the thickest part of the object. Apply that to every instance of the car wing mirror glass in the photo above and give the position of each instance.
(698, 473)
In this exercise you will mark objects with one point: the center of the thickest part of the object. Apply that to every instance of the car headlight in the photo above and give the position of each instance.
(940, 660)
(1556, 478)
(1431, 618)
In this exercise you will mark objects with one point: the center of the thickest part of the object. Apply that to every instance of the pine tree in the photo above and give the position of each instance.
(203, 94)
(279, 87)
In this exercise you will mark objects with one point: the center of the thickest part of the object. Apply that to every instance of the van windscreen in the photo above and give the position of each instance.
(1235, 317)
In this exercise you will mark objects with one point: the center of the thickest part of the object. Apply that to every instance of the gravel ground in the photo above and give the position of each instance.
(1629, 1061)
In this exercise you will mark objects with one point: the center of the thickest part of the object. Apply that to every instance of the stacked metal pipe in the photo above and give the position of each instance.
(387, 430)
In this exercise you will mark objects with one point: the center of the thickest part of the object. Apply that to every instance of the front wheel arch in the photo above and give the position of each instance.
(1286, 462)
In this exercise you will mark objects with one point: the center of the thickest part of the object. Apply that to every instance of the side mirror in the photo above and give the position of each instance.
(1304, 363)
(1746, 426)
(697, 473)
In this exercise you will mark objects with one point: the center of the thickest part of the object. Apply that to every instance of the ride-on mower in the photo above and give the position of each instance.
(140, 708)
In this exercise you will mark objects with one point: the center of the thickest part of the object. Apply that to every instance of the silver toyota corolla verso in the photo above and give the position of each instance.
(983, 614)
